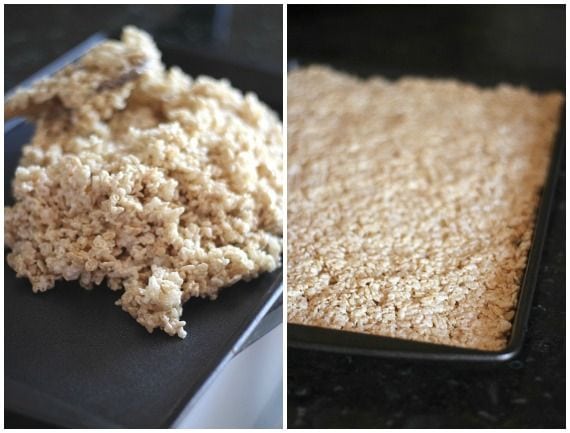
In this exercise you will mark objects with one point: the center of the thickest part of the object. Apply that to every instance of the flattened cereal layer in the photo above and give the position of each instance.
(411, 204)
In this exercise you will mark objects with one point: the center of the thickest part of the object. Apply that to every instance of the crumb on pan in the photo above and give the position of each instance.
(411, 204)
(165, 187)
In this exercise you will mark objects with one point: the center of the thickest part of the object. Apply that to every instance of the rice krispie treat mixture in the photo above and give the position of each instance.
(411, 204)
(165, 187)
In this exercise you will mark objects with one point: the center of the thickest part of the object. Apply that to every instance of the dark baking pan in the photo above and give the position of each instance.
(73, 359)
(348, 342)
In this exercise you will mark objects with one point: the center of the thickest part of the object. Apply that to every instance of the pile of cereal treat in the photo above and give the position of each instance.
(411, 204)
(164, 186)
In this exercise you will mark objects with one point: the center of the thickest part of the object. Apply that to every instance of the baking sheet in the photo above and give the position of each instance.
(348, 342)
(74, 359)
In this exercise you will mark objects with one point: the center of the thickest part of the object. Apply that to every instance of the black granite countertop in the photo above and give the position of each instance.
(514, 44)
(35, 35)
